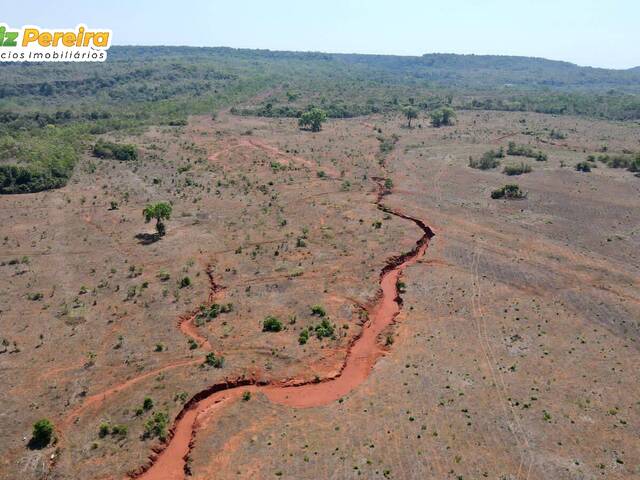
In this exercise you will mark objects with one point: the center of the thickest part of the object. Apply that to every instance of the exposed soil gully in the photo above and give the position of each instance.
(170, 461)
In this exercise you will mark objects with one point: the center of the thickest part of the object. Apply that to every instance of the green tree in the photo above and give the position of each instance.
(410, 112)
(158, 211)
(42, 433)
(313, 119)
(443, 117)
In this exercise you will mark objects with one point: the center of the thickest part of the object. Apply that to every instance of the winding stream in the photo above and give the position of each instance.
(171, 462)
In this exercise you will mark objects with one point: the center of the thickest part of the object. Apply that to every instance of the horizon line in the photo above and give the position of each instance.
(619, 69)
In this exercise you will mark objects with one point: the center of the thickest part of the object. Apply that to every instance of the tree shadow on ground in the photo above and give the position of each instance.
(147, 238)
(38, 443)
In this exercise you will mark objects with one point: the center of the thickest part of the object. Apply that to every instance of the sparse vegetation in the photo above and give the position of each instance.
(324, 329)
(630, 162)
(488, 160)
(213, 361)
(516, 169)
(156, 426)
(510, 191)
(526, 151)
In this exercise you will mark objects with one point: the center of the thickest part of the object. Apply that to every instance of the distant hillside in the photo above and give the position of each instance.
(139, 86)
(443, 69)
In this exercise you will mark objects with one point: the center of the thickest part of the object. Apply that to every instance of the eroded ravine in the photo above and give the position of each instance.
(170, 463)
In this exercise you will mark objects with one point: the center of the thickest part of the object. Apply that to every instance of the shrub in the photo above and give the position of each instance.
(557, 135)
(213, 361)
(42, 433)
(324, 329)
(510, 191)
(387, 143)
(120, 430)
(147, 403)
(526, 151)
(271, 324)
(304, 337)
(246, 396)
(185, 282)
(318, 310)
(487, 161)
(618, 161)
(583, 167)
(211, 312)
(516, 169)
(156, 426)
(104, 430)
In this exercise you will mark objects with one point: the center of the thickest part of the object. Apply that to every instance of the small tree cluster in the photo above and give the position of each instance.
(313, 119)
(104, 149)
(443, 117)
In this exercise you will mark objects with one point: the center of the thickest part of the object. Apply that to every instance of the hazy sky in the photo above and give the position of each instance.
(603, 33)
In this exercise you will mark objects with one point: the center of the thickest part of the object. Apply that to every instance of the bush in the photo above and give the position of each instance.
(487, 161)
(271, 324)
(583, 167)
(209, 313)
(324, 329)
(147, 403)
(213, 361)
(304, 337)
(387, 143)
(156, 426)
(526, 151)
(104, 430)
(618, 161)
(120, 430)
(42, 433)
(318, 310)
(185, 282)
(510, 191)
(516, 169)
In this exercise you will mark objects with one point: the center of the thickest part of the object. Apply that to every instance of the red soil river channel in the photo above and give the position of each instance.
(364, 351)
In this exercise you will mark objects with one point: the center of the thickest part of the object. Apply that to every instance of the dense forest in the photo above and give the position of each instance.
(50, 112)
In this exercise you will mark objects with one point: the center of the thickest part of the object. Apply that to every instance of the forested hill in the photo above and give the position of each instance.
(495, 70)
(472, 71)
